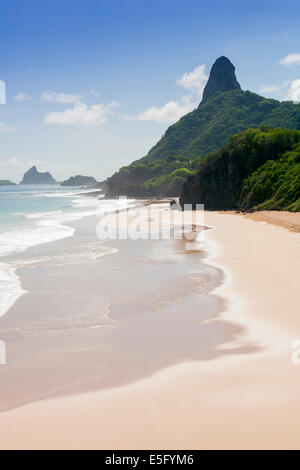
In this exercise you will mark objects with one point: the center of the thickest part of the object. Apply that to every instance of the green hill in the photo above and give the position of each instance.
(225, 111)
(257, 169)
(204, 130)
(211, 125)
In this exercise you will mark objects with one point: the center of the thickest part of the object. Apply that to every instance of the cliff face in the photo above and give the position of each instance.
(222, 78)
(33, 177)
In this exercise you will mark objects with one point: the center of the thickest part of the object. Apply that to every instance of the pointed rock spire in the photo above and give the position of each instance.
(222, 78)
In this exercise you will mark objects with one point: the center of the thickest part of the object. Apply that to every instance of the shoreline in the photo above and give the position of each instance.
(84, 314)
(47, 228)
(8, 271)
(289, 220)
(233, 402)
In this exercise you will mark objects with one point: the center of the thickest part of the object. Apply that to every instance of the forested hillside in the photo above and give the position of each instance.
(257, 169)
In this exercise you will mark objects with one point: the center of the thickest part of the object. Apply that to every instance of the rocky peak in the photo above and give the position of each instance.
(32, 176)
(32, 171)
(222, 78)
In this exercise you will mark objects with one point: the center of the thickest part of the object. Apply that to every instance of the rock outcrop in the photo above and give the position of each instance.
(34, 177)
(222, 78)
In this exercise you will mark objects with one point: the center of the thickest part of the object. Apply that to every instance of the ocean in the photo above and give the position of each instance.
(18, 203)
(34, 215)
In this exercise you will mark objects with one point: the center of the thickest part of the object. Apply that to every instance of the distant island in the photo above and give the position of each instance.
(6, 183)
(33, 177)
(87, 181)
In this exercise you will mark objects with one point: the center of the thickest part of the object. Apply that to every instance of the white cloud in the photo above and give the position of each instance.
(269, 89)
(294, 91)
(288, 90)
(173, 110)
(63, 98)
(82, 115)
(170, 112)
(22, 96)
(195, 80)
(291, 59)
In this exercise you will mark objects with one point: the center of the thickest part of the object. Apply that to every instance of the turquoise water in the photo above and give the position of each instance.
(35, 215)
(18, 230)
(16, 202)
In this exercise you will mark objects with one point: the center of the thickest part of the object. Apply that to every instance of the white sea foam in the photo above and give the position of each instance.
(17, 241)
(102, 206)
(10, 288)
(70, 193)
(46, 227)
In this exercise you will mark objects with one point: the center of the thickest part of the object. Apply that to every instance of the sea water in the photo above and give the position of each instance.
(33, 215)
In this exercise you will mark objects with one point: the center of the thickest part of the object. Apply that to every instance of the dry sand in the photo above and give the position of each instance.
(234, 402)
(288, 220)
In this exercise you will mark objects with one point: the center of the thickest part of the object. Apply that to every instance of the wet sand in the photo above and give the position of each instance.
(102, 314)
(233, 401)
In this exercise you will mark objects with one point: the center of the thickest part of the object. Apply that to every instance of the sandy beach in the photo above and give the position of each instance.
(241, 392)
(150, 228)
(120, 309)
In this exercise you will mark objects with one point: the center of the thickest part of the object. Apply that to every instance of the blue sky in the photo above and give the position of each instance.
(92, 85)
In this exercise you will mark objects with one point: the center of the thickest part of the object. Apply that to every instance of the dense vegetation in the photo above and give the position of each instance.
(275, 185)
(79, 180)
(226, 113)
(146, 179)
(257, 169)
(204, 130)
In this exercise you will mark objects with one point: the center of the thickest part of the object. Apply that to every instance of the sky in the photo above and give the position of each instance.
(92, 85)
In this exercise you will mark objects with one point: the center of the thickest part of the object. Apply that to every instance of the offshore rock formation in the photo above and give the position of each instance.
(33, 177)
